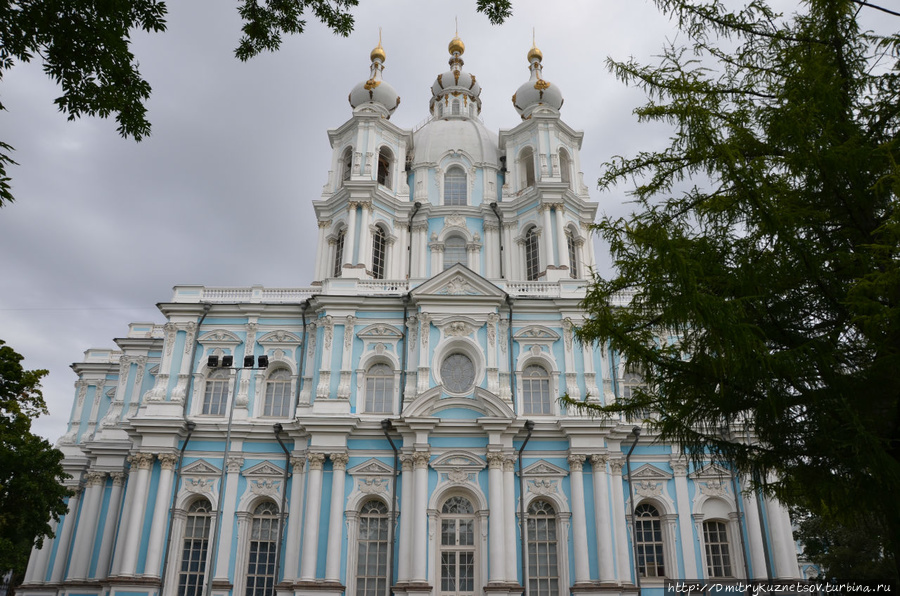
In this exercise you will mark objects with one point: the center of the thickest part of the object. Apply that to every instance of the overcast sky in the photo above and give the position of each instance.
(220, 193)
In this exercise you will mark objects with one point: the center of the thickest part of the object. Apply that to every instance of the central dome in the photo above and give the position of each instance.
(463, 135)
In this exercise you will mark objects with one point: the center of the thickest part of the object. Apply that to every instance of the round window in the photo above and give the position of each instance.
(458, 373)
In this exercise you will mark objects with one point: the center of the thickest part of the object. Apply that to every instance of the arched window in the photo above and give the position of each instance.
(565, 167)
(379, 389)
(457, 550)
(649, 541)
(573, 255)
(526, 168)
(440, 110)
(263, 541)
(543, 562)
(535, 390)
(455, 108)
(455, 251)
(385, 163)
(278, 394)
(378, 253)
(371, 562)
(215, 395)
(455, 186)
(338, 253)
(718, 557)
(346, 163)
(194, 549)
(532, 256)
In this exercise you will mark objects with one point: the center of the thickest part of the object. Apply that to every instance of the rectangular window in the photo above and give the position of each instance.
(718, 559)
(216, 397)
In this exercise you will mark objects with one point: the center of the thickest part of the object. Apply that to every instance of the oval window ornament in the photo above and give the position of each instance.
(457, 373)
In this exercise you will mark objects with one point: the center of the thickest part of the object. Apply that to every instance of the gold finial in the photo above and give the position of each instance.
(378, 52)
(534, 53)
(456, 45)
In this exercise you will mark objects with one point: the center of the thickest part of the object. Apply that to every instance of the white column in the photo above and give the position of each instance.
(622, 538)
(510, 250)
(590, 374)
(143, 462)
(65, 539)
(120, 539)
(350, 238)
(754, 534)
(226, 524)
(87, 526)
(365, 236)
(605, 538)
(109, 526)
(420, 516)
(547, 237)
(420, 233)
(308, 558)
(160, 514)
(497, 523)
(579, 518)
(335, 517)
(509, 503)
(679, 467)
(561, 244)
(491, 258)
(40, 557)
(295, 515)
(782, 541)
(322, 252)
(406, 518)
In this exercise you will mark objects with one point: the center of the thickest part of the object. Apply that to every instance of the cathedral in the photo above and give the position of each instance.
(395, 427)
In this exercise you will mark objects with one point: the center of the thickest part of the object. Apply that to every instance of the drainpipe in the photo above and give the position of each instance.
(529, 426)
(509, 350)
(405, 298)
(304, 306)
(636, 431)
(190, 425)
(386, 427)
(499, 235)
(416, 206)
(277, 427)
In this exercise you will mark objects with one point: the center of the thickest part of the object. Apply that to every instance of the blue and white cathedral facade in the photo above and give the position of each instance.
(388, 428)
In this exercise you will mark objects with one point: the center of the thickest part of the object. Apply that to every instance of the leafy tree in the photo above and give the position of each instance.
(30, 468)
(85, 46)
(762, 259)
(845, 551)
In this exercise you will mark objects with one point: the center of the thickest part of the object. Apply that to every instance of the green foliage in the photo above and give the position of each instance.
(85, 47)
(846, 551)
(764, 252)
(31, 470)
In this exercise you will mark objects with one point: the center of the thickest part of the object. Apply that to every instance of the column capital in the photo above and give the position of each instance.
(616, 465)
(298, 462)
(576, 462)
(95, 478)
(141, 461)
(406, 462)
(339, 460)
(599, 460)
(316, 461)
(118, 478)
(233, 463)
(495, 460)
(167, 460)
(679, 466)
(509, 464)
(421, 459)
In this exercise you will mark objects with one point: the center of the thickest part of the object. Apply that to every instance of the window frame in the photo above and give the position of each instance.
(385, 168)
(287, 392)
(337, 257)
(532, 255)
(527, 171)
(217, 378)
(382, 519)
(658, 543)
(456, 180)
(456, 548)
(552, 520)
(347, 164)
(388, 395)
(269, 580)
(724, 544)
(544, 386)
(572, 249)
(458, 246)
(181, 586)
(379, 252)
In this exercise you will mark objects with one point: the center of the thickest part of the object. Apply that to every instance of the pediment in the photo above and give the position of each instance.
(650, 472)
(280, 337)
(535, 333)
(458, 280)
(380, 331)
(154, 370)
(483, 402)
(263, 469)
(371, 467)
(711, 471)
(219, 337)
(201, 467)
(458, 460)
(544, 469)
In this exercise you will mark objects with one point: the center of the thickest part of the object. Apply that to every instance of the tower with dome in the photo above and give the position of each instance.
(395, 426)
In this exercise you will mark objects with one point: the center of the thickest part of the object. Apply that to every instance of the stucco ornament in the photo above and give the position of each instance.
(646, 488)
